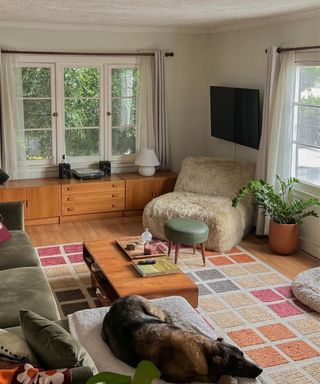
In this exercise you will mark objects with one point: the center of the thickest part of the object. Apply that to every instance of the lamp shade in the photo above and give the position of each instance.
(147, 158)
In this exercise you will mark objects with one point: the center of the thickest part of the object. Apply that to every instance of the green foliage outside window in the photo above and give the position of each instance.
(81, 111)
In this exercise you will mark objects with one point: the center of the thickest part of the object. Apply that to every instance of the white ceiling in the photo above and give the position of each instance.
(174, 14)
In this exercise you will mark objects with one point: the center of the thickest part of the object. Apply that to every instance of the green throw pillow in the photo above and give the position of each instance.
(53, 345)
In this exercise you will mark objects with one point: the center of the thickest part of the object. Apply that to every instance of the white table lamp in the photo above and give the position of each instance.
(147, 160)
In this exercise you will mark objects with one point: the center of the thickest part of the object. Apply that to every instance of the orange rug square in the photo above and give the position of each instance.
(276, 332)
(220, 260)
(298, 350)
(243, 258)
(266, 357)
(245, 337)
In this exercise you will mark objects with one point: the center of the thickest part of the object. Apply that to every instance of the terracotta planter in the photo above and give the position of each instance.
(283, 238)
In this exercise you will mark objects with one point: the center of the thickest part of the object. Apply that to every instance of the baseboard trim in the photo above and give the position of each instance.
(49, 220)
(310, 248)
(91, 216)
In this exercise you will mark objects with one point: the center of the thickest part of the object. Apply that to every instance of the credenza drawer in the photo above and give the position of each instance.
(92, 197)
(94, 206)
(93, 187)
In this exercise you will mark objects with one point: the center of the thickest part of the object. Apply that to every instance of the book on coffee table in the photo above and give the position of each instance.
(162, 266)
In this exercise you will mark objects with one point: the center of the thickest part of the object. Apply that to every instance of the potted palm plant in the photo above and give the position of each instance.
(286, 213)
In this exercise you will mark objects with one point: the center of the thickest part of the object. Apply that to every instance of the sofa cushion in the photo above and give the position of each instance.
(227, 225)
(25, 288)
(18, 252)
(53, 345)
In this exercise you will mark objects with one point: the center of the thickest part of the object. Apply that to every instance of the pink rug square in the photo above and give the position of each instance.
(73, 248)
(49, 251)
(286, 291)
(55, 260)
(266, 295)
(77, 258)
(285, 309)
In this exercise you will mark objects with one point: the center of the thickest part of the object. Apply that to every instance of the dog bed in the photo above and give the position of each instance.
(306, 288)
(86, 327)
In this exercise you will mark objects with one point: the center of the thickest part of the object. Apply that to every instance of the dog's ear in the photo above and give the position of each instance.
(218, 362)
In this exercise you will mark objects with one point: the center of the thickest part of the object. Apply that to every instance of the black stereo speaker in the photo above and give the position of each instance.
(105, 166)
(65, 171)
(3, 176)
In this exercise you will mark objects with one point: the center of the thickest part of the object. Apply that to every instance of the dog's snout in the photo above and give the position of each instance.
(253, 370)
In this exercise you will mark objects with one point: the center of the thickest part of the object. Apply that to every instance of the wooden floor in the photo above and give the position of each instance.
(131, 226)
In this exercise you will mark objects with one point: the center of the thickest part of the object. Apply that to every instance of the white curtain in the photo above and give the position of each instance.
(160, 111)
(145, 123)
(275, 146)
(12, 122)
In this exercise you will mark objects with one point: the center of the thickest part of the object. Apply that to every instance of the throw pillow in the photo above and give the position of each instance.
(27, 374)
(4, 233)
(53, 345)
(14, 348)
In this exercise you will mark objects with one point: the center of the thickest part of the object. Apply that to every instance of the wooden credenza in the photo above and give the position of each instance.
(140, 189)
(53, 200)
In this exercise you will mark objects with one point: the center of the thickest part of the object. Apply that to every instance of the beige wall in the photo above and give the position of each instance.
(238, 59)
(186, 72)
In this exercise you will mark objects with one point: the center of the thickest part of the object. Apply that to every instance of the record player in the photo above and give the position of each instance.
(88, 173)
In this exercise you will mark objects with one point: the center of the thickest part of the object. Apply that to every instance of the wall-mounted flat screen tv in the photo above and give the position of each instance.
(235, 115)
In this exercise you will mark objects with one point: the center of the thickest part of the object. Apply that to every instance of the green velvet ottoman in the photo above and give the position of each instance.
(186, 231)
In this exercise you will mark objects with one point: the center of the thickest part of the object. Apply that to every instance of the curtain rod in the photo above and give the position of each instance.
(305, 48)
(167, 54)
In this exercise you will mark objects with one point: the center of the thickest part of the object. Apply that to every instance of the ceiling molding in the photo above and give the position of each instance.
(261, 22)
(106, 28)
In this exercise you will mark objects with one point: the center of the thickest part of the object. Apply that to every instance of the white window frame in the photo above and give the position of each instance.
(307, 59)
(81, 159)
(108, 92)
(58, 63)
(53, 160)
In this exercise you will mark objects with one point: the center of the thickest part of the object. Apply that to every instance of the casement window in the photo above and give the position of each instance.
(86, 110)
(305, 158)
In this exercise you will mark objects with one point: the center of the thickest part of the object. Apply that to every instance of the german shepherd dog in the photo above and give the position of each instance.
(135, 330)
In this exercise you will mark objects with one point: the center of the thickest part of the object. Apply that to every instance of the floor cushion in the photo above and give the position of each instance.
(25, 288)
(227, 225)
(306, 288)
(18, 252)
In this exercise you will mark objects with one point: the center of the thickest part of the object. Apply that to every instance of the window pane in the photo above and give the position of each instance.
(37, 113)
(36, 82)
(82, 142)
(123, 141)
(310, 85)
(38, 145)
(123, 112)
(81, 82)
(308, 165)
(124, 82)
(308, 131)
(81, 113)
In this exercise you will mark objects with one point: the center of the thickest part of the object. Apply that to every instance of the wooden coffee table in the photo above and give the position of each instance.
(118, 278)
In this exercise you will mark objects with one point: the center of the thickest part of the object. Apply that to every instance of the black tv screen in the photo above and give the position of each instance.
(235, 115)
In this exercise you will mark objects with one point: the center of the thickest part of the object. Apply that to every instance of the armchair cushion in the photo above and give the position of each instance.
(226, 224)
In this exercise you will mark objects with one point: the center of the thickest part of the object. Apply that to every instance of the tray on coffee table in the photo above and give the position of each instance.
(158, 249)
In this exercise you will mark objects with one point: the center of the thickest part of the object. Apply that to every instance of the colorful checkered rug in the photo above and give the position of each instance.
(245, 300)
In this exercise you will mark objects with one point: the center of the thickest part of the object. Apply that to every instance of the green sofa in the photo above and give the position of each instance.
(23, 283)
